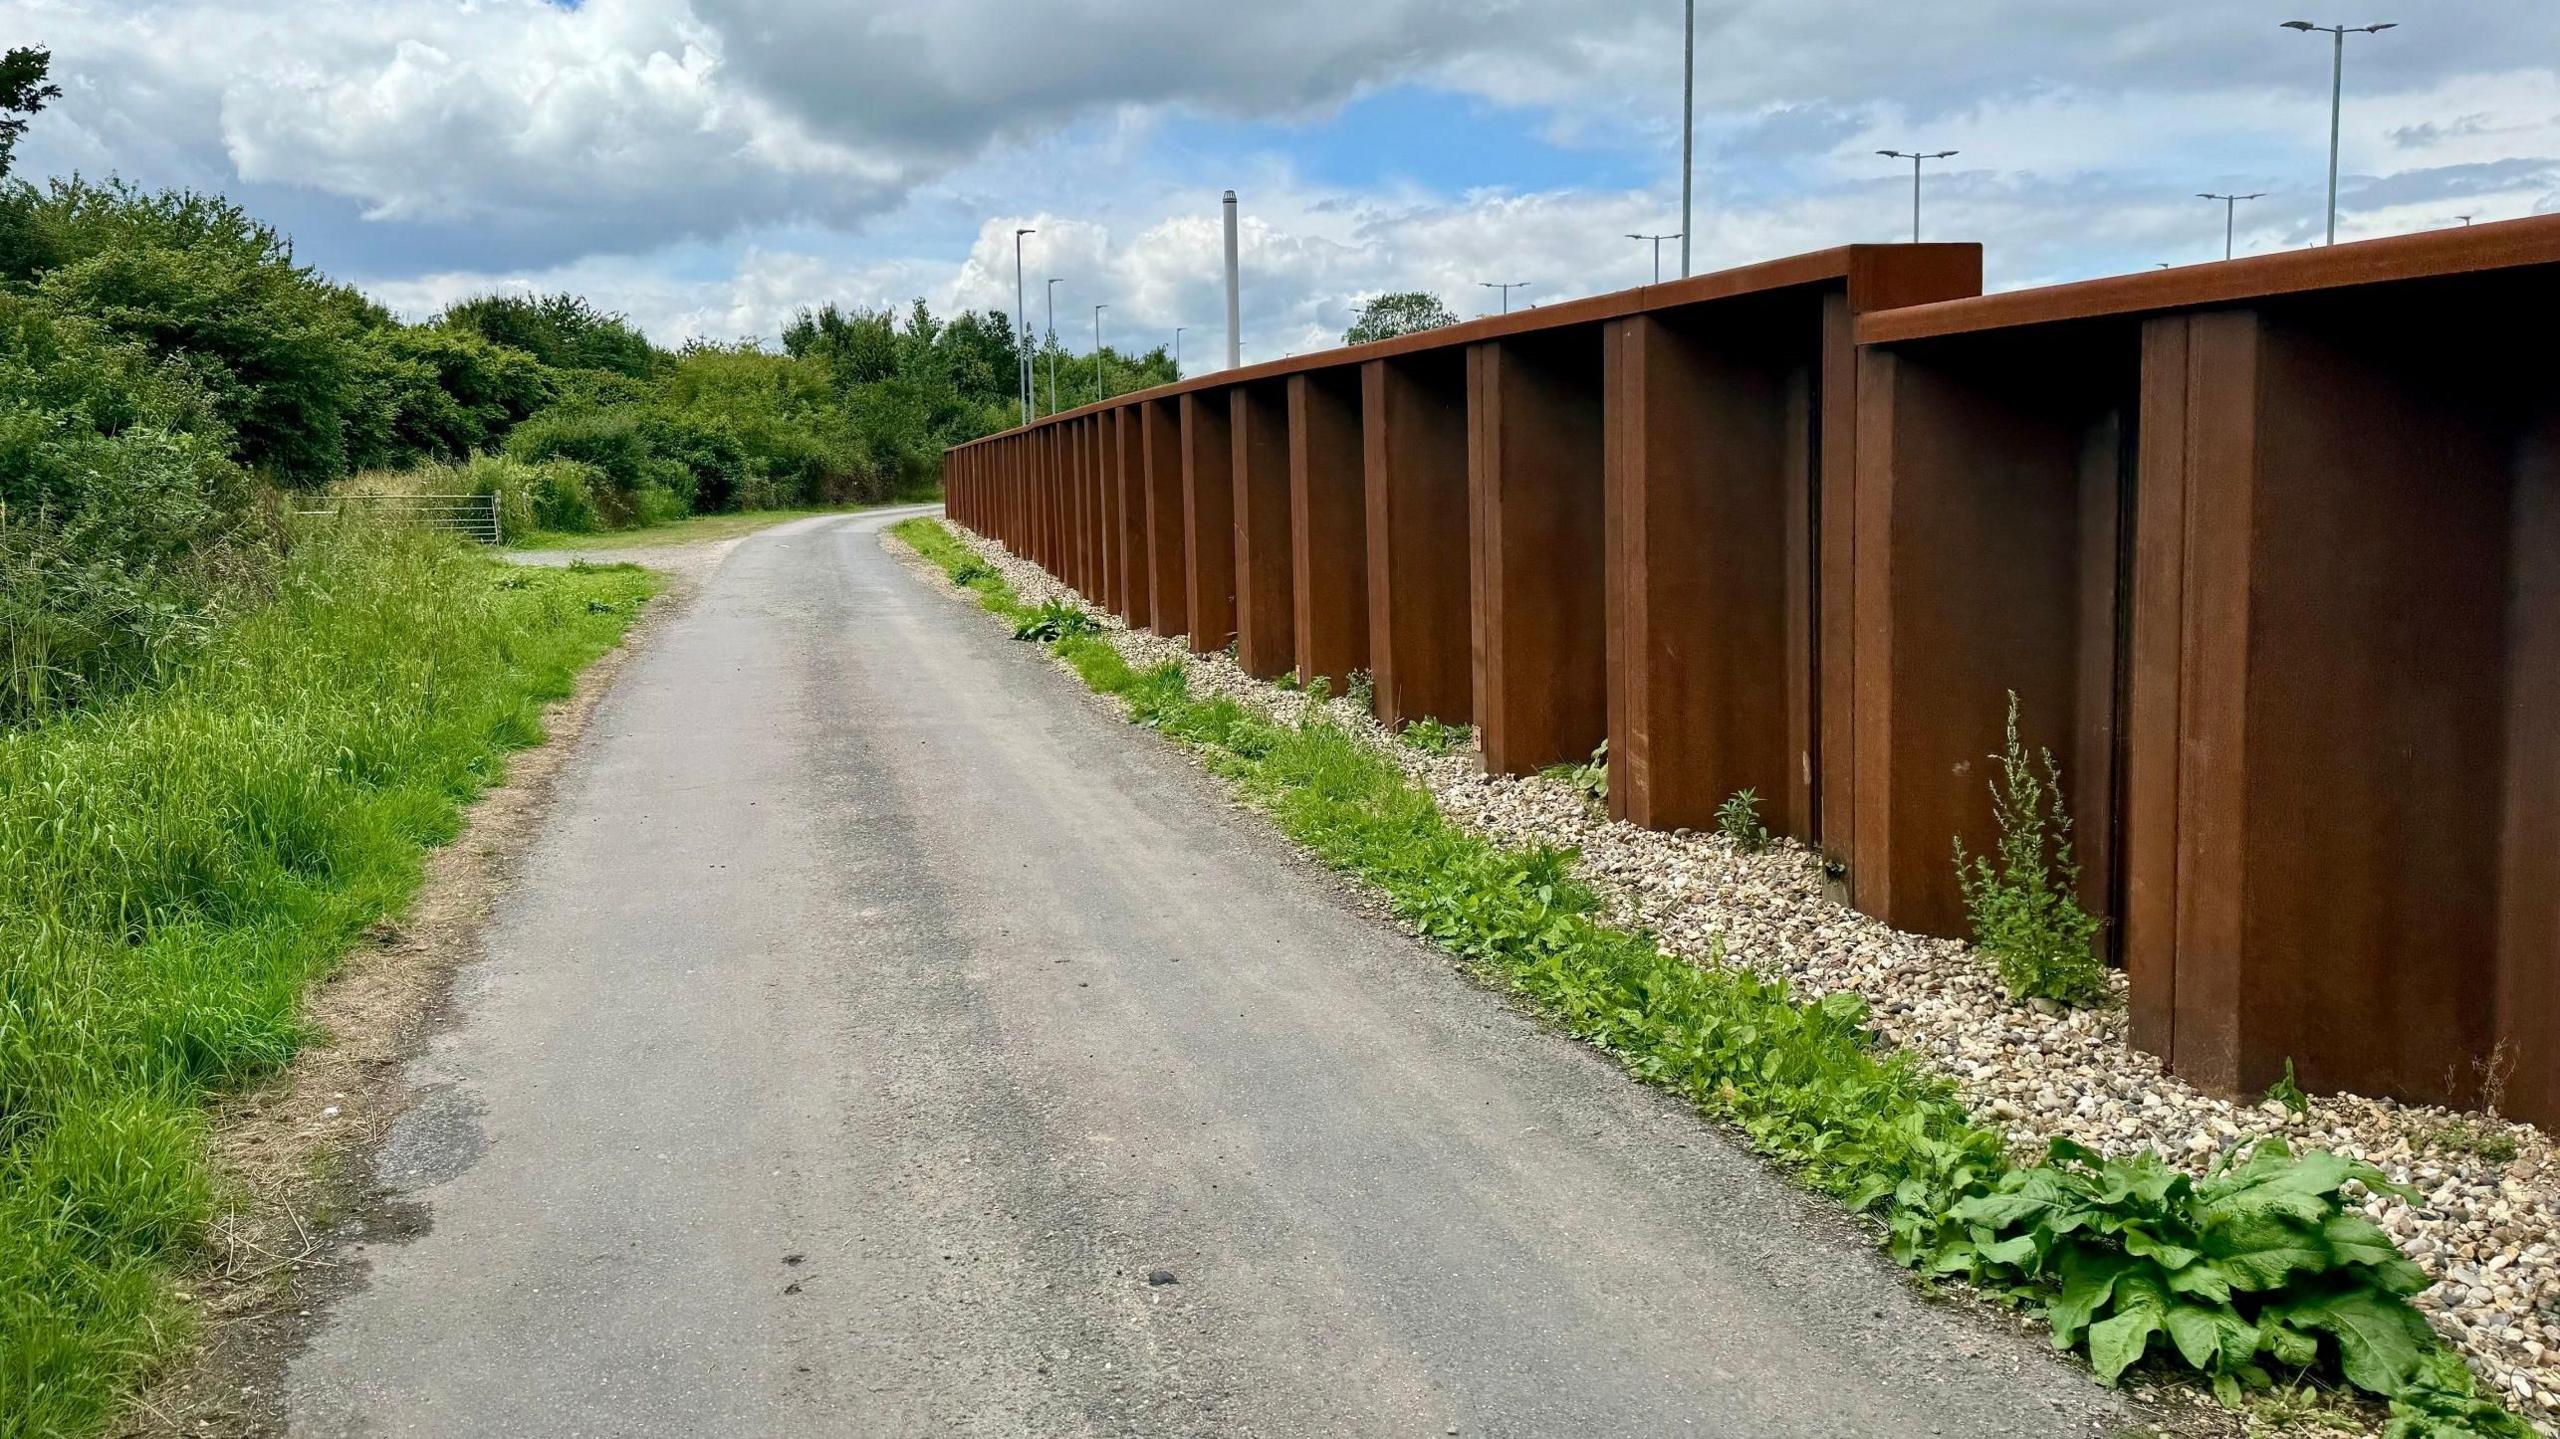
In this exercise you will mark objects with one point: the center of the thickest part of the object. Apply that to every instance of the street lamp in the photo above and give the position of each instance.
(2465, 219)
(1506, 290)
(1915, 158)
(1022, 326)
(1688, 134)
(2337, 92)
(1099, 392)
(1053, 344)
(1177, 350)
(1657, 252)
(2230, 213)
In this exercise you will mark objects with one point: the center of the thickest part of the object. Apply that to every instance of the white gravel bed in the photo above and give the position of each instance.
(2484, 1226)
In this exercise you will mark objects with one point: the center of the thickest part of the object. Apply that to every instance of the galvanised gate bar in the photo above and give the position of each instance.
(2268, 549)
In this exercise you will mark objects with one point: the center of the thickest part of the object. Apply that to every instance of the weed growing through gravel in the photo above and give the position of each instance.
(178, 865)
(1432, 737)
(1590, 778)
(1054, 621)
(2025, 908)
(1739, 819)
(2264, 1267)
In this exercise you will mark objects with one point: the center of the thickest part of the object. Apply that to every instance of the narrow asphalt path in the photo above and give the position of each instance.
(876, 1013)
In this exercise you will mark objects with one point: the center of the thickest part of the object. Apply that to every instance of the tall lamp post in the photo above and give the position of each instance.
(1177, 350)
(2230, 213)
(1022, 326)
(1915, 158)
(1657, 252)
(2337, 92)
(1506, 289)
(1099, 392)
(1053, 344)
(1688, 132)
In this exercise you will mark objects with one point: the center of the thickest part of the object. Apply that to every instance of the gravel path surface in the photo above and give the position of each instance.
(2487, 1224)
(884, 1040)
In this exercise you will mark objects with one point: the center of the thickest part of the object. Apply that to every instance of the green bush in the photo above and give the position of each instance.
(195, 279)
(564, 497)
(656, 505)
(124, 529)
(564, 332)
(2025, 908)
(443, 394)
(617, 444)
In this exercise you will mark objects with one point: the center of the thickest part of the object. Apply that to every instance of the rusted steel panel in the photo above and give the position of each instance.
(1208, 520)
(1535, 486)
(1709, 578)
(1168, 568)
(1987, 530)
(1266, 624)
(1414, 453)
(1129, 468)
(2528, 995)
(1106, 510)
(1329, 526)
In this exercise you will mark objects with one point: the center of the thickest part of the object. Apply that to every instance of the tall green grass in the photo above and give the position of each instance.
(178, 865)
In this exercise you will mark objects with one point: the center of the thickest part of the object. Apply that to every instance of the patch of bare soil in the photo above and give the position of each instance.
(295, 1153)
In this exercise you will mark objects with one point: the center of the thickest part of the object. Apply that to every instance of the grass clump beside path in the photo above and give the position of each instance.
(2262, 1272)
(178, 865)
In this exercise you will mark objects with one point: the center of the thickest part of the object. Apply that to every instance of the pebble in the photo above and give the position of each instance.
(2487, 1231)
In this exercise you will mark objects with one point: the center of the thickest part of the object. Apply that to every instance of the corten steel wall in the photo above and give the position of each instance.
(2268, 549)
(1266, 615)
(1328, 527)
(1208, 520)
(1414, 444)
(1534, 463)
(2271, 551)
(1168, 567)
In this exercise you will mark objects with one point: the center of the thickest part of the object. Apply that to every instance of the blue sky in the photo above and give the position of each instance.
(709, 166)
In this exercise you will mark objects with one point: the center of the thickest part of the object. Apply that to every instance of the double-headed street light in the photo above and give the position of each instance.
(1506, 288)
(1915, 158)
(2230, 213)
(1022, 327)
(2337, 92)
(1657, 252)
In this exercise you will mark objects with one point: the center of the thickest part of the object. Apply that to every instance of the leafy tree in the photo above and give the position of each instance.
(194, 278)
(1399, 312)
(562, 331)
(23, 91)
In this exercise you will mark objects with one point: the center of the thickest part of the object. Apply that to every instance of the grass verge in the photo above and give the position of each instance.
(2263, 1271)
(177, 867)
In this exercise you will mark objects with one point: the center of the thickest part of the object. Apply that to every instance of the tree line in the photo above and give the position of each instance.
(169, 370)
